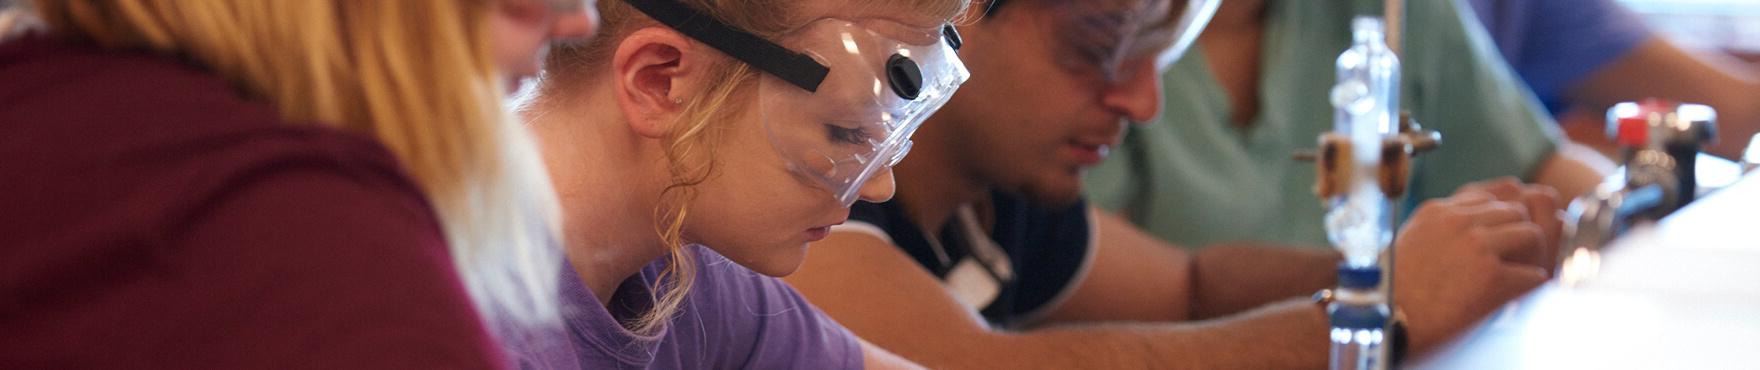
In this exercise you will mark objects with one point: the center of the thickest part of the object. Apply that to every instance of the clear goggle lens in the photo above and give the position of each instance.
(1103, 35)
(885, 79)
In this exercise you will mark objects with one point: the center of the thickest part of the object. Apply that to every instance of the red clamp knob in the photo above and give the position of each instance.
(1630, 122)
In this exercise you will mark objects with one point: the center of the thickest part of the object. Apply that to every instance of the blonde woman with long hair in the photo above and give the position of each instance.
(274, 183)
(699, 145)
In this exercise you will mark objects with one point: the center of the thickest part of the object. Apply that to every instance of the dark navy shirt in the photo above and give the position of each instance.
(1046, 251)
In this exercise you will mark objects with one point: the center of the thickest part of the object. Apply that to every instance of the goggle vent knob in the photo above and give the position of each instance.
(904, 76)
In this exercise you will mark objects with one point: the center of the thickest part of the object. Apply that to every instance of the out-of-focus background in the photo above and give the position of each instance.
(1731, 26)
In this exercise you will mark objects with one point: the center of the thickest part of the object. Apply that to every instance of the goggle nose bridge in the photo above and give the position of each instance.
(898, 156)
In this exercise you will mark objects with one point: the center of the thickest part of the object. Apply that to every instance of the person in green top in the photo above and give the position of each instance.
(1216, 166)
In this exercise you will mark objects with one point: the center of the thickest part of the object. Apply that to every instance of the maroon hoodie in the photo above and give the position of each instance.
(152, 216)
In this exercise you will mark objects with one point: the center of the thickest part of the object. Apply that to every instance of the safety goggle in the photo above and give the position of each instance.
(1105, 33)
(839, 99)
(568, 5)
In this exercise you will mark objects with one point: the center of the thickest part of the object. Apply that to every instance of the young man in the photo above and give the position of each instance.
(1216, 168)
(988, 257)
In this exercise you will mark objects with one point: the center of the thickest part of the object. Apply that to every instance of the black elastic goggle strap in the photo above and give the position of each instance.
(952, 36)
(991, 9)
(796, 68)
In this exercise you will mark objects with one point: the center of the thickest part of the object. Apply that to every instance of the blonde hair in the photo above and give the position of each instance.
(690, 143)
(13, 19)
(415, 74)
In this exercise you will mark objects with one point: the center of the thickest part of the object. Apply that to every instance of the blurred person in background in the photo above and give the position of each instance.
(1215, 167)
(1582, 56)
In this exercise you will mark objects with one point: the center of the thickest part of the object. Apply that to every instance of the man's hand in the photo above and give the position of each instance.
(1460, 259)
(1543, 204)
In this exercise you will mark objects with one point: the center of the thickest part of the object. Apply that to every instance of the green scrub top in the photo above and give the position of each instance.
(1194, 179)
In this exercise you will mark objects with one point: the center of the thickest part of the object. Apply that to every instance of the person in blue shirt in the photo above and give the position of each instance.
(1586, 55)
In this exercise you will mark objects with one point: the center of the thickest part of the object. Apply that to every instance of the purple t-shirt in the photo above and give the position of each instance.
(732, 318)
(1553, 44)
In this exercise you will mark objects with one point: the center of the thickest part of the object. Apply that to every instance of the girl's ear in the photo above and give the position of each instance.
(649, 68)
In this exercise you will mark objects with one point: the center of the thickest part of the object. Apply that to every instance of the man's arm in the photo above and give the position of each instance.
(1461, 258)
(1138, 277)
(1573, 170)
(883, 296)
(1658, 68)
(874, 357)
(1238, 277)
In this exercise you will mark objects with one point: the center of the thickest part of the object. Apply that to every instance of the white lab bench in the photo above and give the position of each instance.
(1683, 293)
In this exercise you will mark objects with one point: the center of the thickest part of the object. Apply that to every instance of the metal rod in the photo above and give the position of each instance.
(1395, 11)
